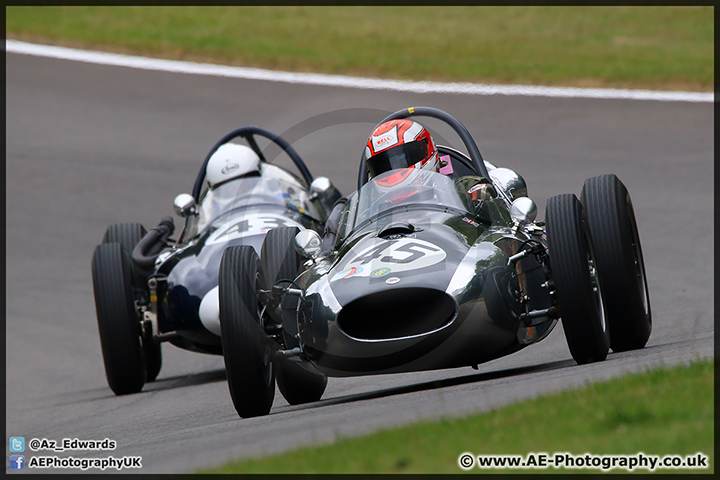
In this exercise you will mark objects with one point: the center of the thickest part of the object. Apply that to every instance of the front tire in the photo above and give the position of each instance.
(247, 349)
(575, 278)
(280, 262)
(620, 260)
(129, 235)
(118, 321)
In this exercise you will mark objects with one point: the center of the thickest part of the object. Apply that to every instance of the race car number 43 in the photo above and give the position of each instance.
(250, 225)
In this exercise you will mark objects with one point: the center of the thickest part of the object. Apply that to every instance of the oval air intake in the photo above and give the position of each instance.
(396, 313)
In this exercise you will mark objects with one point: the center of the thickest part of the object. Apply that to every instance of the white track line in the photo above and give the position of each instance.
(146, 63)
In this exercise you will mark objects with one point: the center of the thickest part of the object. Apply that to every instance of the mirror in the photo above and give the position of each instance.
(307, 243)
(321, 186)
(185, 205)
(523, 210)
(324, 192)
(509, 181)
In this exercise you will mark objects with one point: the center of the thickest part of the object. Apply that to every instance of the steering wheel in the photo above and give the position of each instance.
(477, 161)
(248, 133)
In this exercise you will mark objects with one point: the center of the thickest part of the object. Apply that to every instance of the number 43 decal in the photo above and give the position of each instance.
(250, 225)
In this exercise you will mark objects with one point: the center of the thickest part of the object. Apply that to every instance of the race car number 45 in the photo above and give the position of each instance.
(398, 255)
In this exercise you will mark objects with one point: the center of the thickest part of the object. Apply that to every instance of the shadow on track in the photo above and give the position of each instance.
(436, 384)
(171, 383)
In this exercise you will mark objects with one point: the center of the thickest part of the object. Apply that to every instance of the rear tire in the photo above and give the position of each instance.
(575, 276)
(297, 379)
(126, 234)
(118, 322)
(620, 260)
(247, 349)
(129, 235)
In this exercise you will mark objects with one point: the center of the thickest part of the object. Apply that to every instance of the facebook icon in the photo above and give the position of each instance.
(17, 462)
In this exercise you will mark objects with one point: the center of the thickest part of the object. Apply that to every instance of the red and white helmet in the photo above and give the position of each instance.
(399, 144)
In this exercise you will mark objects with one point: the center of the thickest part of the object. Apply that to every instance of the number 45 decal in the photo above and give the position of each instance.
(401, 254)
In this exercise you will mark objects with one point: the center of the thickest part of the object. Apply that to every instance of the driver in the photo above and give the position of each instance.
(400, 144)
(228, 162)
(407, 145)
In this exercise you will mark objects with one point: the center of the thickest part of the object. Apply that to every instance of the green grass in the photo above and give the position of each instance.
(668, 48)
(660, 412)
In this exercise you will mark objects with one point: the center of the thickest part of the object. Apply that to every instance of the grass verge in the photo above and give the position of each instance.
(660, 412)
(668, 48)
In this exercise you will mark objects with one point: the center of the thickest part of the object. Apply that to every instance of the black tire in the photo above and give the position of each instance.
(620, 260)
(126, 234)
(299, 381)
(118, 322)
(576, 279)
(279, 258)
(129, 235)
(153, 359)
(280, 261)
(247, 349)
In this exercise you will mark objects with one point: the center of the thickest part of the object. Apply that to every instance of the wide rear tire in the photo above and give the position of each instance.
(575, 277)
(247, 349)
(297, 379)
(118, 321)
(129, 235)
(620, 260)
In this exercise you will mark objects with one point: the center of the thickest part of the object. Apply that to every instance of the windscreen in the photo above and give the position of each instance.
(272, 187)
(420, 188)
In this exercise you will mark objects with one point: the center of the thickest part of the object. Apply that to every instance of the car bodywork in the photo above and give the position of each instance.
(151, 289)
(239, 212)
(421, 275)
(421, 283)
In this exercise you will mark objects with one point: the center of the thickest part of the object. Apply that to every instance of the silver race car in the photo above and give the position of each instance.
(419, 276)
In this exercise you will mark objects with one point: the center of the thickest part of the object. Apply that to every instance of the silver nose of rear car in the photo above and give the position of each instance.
(396, 314)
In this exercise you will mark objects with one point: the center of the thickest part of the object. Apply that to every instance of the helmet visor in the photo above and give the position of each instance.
(400, 156)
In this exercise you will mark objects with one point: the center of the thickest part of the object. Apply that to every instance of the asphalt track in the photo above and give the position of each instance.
(91, 145)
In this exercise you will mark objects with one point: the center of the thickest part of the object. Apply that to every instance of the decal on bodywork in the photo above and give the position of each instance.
(250, 225)
(392, 256)
(347, 273)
